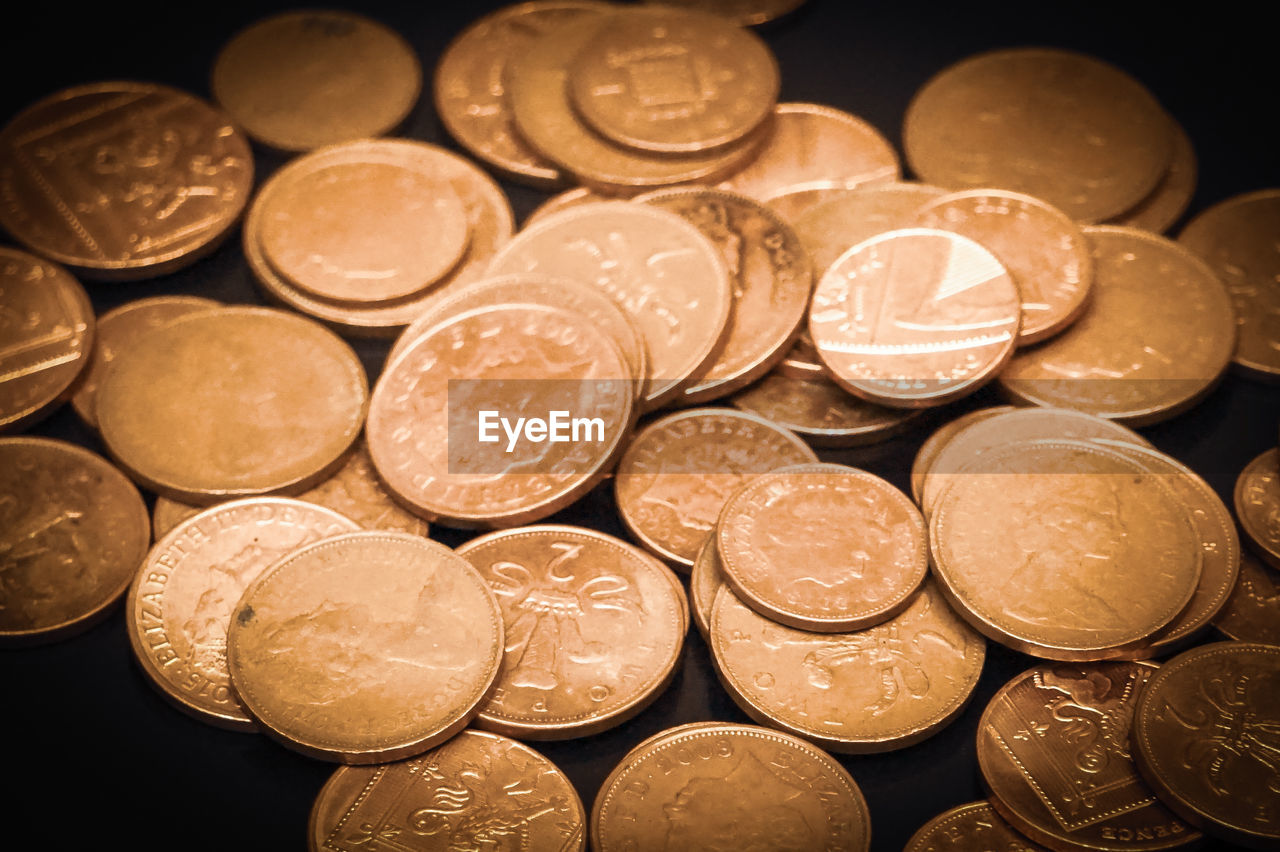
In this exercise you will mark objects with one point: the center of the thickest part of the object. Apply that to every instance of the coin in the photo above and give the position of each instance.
(1169, 200)
(915, 318)
(365, 647)
(563, 201)
(122, 180)
(1257, 501)
(73, 530)
(183, 594)
(263, 400)
(1236, 238)
(832, 227)
(1043, 250)
(744, 13)
(1054, 750)
(1252, 613)
(822, 547)
(47, 326)
(1204, 737)
(821, 412)
(300, 80)
(705, 579)
(802, 361)
(996, 120)
(476, 790)
(793, 202)
(937, 442)
(116, 331)
(707, 786)
(974, 827)
(678, 471)
(1154, 340)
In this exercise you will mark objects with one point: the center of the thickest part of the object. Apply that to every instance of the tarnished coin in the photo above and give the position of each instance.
(1043, 250)
(46, 337)
(1169, 200)
(997, 120)
(155, 177)
(365, 647)
(1155, 338)
(822, 547)
(832, 227)
(594, 630)
(181, 599)
(300, 80)
(874, 690)
(937, 442)
(1257, 501)
(73, 530)
(745, 13)
(724, 786)
(1252, 613)
(1205, 739)
(477, 790)
(678, 471)
(1055, 753)
(821, 412)
(1237, 238)
(231, 402)
(705, 579)
(915, 318)
(975, 827)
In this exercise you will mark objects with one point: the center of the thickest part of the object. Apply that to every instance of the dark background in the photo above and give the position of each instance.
(92, 755)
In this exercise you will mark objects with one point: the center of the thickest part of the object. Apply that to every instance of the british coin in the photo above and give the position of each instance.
(1169, 200)
(1252, 613)
(430, 646)
(1257, 502)
(48, 328)
(182, 596)
(1043, 250)
(832, 227)
(821, 412)
(793, 202)
(299, 80)
(1118, 150)
(563, 201)
(802, 361)
(122, 180)
(263, 400)
(678, 471)
(1236, 238)
(915, 318)
(1204, 737)
(975, 827)
(116, 331)
(73, 530)
(476, 790)
(594, 630)
(822, 547)
(705, 579)
(937, 442)
(874, 690)
(1055, 752)
(704, 786)
(744, 13)
(1155, 338)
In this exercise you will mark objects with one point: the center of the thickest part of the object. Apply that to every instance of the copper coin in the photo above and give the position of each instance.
(821, 412)
(710, 786)
(705, 579)
(300, 80)
(116, 331)
(802, 361)
(915, 318)
(678, 471)
(793, 202)
(1043, 250)
(478, 790)
(182, 597)
(937, 442)
(744, 13)
(365, 647)
(1204, 737)
(975, 827)
(73, 530)
(997, 119)
(46, 337)
(822, 547)
(122, 180)
(1257, 502)
(563, 201)
(231, 402)
(1252, 613)
(1172, 195)
(1237, 238)
(874, 690)
(1055, 752)
(1155, 338)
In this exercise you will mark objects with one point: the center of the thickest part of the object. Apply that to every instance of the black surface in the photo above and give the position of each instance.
(93, 756)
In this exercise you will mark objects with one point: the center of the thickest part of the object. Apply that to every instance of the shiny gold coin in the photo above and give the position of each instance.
(1204, 737)
(1112, 558)
(744, 13)
(182, 596)
(678, 471)
(1172, 195)
(874, 690)
(73, 530)
(975, 827)
(477, 790)
(832, 227)
(563, 201)
(1252, 613)
(47, 330)
(822, 547)
(365, 647)
(709, 786)
(1257, 502)
(122, 180)
(705, 579)
(230, 402)
(996, 120)
(1237, 238)
(300, 80)
(937, 442)
(1055, 752)
(1155, 338)
(821, 412)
